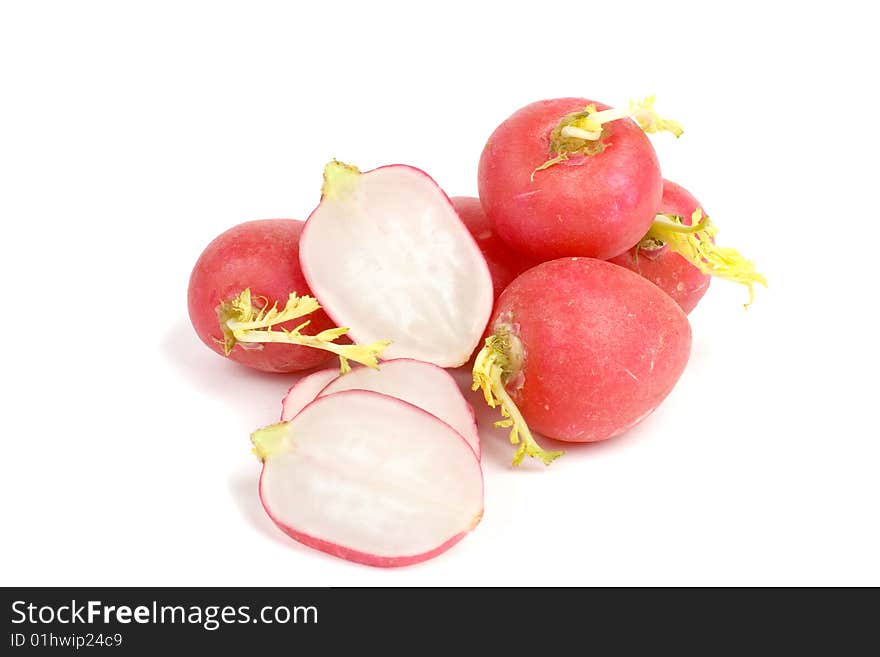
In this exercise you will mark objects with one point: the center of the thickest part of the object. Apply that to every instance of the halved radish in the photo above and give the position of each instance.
(304, 391)
(370, 478)
(422, 384)
(389, 258)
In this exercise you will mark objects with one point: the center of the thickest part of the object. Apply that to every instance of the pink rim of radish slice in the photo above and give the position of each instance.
(304, 391)
(422, 384)
(389, 258)
(370, 478)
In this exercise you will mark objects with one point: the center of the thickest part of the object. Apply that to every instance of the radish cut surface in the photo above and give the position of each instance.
(427, 386)
(304, 391)
(389, 258)
(370, 478)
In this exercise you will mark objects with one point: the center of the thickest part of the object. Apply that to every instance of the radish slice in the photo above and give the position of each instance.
(389, 258)
(370, 478)
(422, 384)
(305, 390)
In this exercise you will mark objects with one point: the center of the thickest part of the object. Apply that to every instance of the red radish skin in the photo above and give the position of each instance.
(262, 255)
(326, 468)
(596, 206)
(505, 264)
(593, 348)
(664, 267)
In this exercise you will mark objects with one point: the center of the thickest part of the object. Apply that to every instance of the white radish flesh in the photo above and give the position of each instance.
(305, 390)
(422, 384)
(370, 478)
(389, 258)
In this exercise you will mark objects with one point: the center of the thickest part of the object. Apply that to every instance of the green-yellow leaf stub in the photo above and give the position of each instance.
(269, 440)
(492, 368)
(240, 321)
(581, 133)
(646, 116)
(339, 179)
(696, 244)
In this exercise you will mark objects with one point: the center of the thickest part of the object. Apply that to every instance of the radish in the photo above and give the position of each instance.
(573, 177)
(668, 270)
(261, 256)
(369, 478)
(425, 385)
(505, 264)
(234, 292)
(303, 392)
(389, 258)
(580, 350)
(679, 254)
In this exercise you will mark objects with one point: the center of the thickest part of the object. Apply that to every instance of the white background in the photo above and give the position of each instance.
(133, 133)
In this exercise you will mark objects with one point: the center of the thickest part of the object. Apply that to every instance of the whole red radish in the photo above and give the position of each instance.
(370, 478)
(572, 177)
(236, 288)
(505, 264)
(580, 350)
(668, 270)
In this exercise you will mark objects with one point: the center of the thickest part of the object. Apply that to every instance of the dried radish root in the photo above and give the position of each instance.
(369, 478)
(244, 323)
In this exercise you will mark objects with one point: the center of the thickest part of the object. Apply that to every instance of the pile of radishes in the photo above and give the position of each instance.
(566, 284)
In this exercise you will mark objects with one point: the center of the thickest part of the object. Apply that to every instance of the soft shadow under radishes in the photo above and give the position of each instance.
(255, 396)
(243, 489)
